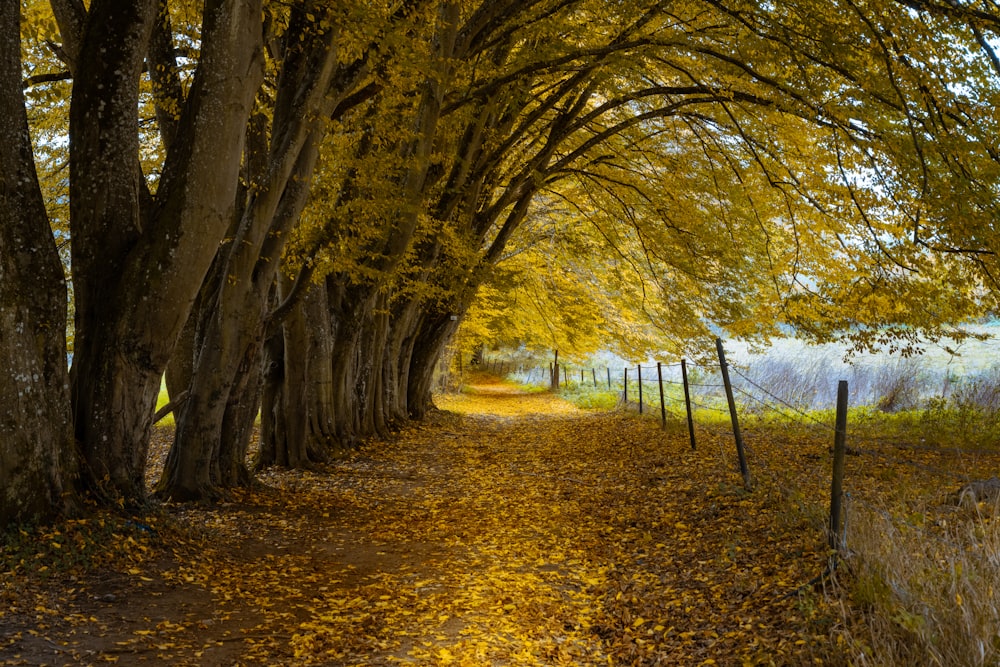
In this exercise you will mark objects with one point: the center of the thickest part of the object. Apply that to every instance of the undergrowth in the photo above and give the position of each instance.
(925, 584)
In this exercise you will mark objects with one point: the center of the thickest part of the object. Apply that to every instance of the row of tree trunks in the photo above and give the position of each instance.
(215, 424)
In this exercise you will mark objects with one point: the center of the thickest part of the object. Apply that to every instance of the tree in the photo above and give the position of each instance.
(832, 165)
(213, 424)
(771, 102)
(37, 457)
(139, 257)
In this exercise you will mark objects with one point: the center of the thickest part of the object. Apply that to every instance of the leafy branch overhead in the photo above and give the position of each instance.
(567, 173)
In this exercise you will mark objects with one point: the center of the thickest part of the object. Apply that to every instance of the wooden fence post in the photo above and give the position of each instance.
(554, 372)
(687, 401)
(609, 377)
(663, 405)
(639, 376)
(737, 435)
(625, 384)
(565, 378)
(839, 450)
(593, 371)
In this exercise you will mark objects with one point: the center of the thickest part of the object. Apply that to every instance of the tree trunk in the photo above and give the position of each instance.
(179, 370)
(555, 372)
(430, 342)
(271, 402)
(398, 353)
(348, 308)
(300, 427)
(238, 307)
(227, 348)
(370, 381)
(115, 375)
(138, 263)
(37, 457)
(238, 421)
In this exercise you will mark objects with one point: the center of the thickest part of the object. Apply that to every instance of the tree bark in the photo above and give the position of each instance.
(348, 308)
(115, 380)
(429, 344)
(301, 428)
(272, 402)
(237, 312)
(37, 457)
(231, 468)
(139, 261)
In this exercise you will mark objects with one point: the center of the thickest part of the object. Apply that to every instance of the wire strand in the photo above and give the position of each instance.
(785, 403)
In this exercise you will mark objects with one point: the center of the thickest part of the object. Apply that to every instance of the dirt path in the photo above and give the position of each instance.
(509, 530)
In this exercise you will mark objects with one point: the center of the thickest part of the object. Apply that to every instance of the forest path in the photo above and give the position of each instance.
(509, 529)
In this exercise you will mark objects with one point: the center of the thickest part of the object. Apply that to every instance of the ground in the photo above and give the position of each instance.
(508, 529)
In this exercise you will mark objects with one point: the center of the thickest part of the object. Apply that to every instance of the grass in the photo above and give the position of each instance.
(925, 586)
(589, 398)
(920, 575)
(162, 399)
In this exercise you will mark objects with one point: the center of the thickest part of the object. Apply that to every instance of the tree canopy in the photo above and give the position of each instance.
(291, 208)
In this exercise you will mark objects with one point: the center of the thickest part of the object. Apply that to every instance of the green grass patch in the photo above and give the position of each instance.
(589, 398)
(162, 399)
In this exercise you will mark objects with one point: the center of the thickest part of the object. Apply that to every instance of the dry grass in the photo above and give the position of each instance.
(925, 585)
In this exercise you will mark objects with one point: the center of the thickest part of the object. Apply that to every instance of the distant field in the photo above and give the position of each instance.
(798, 368)
(972, 356)
(807, 374)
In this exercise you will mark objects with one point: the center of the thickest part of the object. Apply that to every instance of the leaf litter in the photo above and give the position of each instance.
(508, 529)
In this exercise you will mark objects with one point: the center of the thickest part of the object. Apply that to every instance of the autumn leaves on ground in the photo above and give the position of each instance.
(510, 529)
